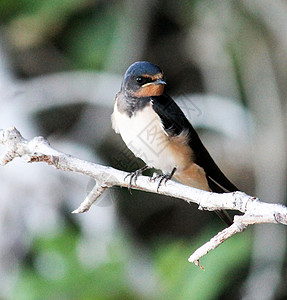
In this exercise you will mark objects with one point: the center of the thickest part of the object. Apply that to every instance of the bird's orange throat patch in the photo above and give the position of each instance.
(150, 89)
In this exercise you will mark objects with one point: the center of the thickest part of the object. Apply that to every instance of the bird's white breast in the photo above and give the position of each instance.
(144, 135)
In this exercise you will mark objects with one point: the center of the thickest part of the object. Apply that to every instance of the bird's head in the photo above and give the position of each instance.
(143, 79)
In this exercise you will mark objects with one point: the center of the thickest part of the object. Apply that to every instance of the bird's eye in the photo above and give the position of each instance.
(140, 79)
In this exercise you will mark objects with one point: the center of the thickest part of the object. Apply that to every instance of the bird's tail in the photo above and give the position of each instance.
(224, 216)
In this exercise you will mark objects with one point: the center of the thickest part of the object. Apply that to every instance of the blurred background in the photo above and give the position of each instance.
(61, 64)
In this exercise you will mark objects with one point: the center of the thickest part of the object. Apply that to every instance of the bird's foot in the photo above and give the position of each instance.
(163, 178)
(134, 175)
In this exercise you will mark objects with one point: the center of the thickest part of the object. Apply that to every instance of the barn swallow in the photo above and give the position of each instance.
(156, 130)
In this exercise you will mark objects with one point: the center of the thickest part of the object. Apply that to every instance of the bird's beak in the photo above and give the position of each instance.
(159, 81)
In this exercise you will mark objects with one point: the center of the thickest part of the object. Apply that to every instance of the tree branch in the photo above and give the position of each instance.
(39, 150)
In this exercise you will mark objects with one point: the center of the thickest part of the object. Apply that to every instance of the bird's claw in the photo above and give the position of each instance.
(163, 178)
(134, 176)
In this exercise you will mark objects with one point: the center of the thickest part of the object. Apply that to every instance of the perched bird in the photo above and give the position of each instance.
(156, 130)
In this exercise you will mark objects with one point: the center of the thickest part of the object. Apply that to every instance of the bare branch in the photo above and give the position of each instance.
(215, 242)
(39, 150)
(95, 193)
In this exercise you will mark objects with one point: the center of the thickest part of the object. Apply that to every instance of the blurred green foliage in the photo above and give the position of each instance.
(43, 10)
(182, 280)
(85, 39)
(57, 272)
(89, 40)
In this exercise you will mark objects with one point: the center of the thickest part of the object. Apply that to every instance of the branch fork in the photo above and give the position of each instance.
(39, 150)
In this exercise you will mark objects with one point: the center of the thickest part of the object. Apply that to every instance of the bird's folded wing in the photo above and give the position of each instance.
(174, 123)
